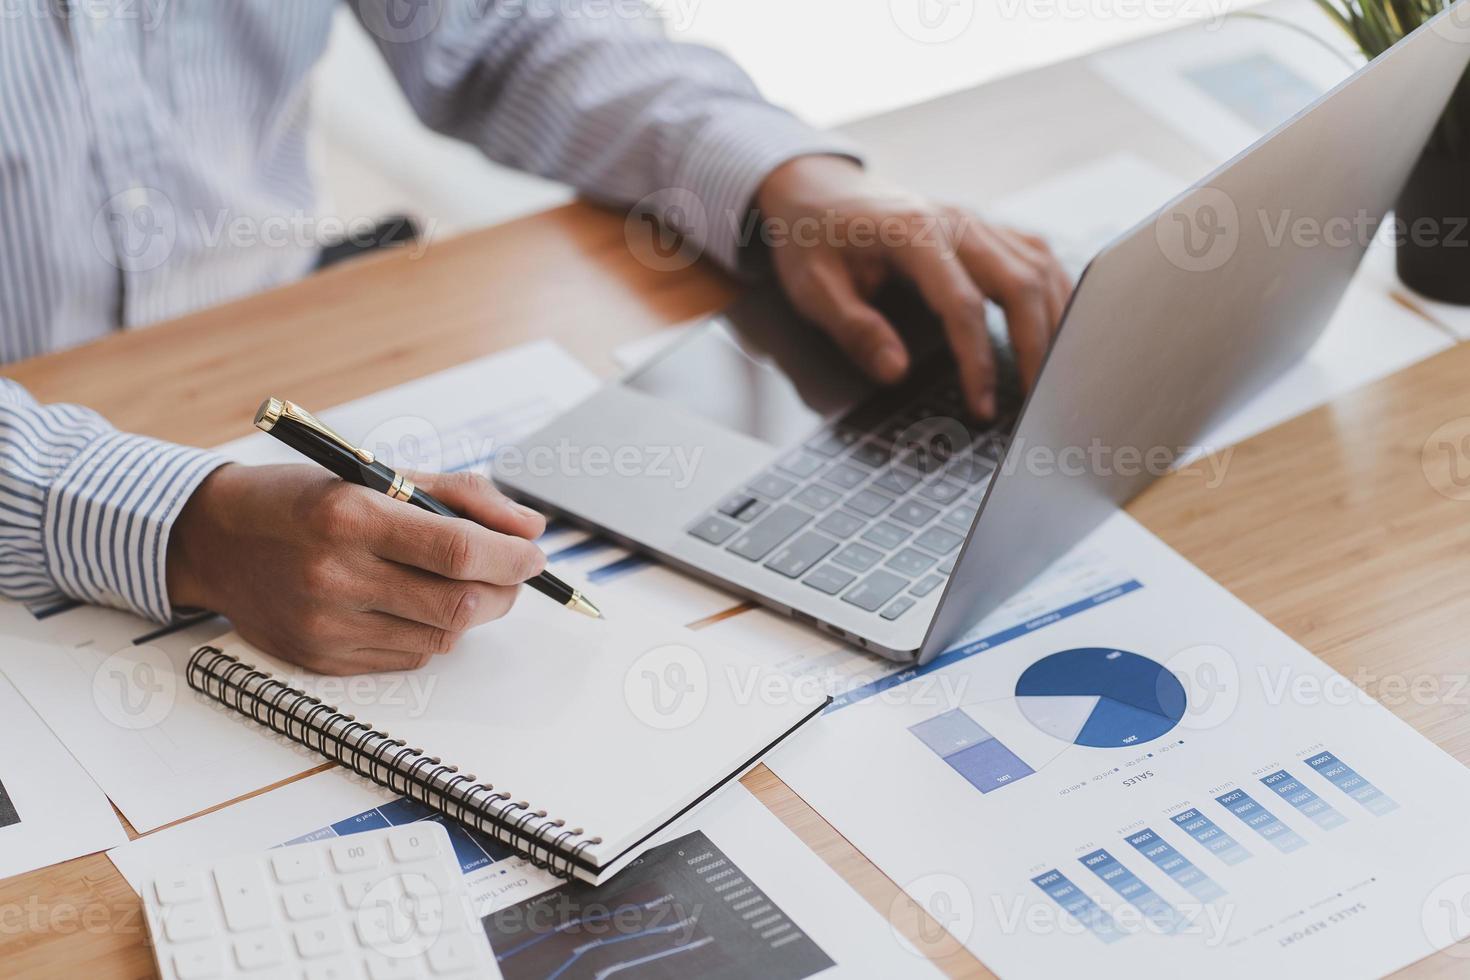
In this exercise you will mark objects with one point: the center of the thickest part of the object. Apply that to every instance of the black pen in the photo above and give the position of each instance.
(303, 432)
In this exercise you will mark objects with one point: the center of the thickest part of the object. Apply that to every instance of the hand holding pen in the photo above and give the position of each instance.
(345, 580)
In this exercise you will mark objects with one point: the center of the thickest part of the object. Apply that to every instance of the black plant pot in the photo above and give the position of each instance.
(1433, 228)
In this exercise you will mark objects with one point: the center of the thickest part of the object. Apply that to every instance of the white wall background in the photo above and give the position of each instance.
(829, 60)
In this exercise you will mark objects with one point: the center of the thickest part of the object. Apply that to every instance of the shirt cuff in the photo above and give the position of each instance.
(723, 168)
(108, 516)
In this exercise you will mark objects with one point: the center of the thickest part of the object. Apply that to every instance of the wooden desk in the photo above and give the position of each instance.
(1327, 525)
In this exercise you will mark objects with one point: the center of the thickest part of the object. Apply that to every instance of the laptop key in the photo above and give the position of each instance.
(896, 481)
(817, 497)
(948, 566)
(962, 516)
(897, 608)
(845, 476)
(910, 562)
(762, 537)
(939, 541)
(872, 592)
(829, 579)
(833, 442)
(913, 513)
(858, 557)
(800, 464)
(794, 558)
(886, 536)
(715, 530)
(971, 469)
(926, 585)
(840, 524)
(743, 507)
(870, 454)
(943, 492)
(771, 485)
(868, 503)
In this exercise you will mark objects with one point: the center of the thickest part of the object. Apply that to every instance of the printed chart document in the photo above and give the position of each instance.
(111, 685)
(729, 892)
(1151, 779)
(50, 810)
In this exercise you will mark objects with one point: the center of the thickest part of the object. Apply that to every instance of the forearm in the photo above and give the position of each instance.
(602, 100)
(86, 511)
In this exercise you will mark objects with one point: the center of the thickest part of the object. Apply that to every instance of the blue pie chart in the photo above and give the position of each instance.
(1101, 698)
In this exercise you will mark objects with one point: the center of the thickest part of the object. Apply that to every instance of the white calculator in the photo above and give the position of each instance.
(378, 905)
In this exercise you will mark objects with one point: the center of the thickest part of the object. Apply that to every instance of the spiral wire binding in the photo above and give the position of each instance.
(379, 757)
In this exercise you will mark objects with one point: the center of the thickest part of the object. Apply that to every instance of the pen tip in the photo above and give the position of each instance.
(585, 606)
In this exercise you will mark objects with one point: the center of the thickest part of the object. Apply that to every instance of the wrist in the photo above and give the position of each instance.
(802, 178)
(195, 542)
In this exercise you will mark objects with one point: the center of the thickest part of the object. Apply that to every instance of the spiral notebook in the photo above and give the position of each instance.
(570, 740)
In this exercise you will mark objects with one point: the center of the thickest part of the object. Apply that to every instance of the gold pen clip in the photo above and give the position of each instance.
(272, 410)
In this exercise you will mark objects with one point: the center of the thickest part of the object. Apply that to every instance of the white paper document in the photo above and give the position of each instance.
(50, 810)
(111, 685)
(729, 889)
(1158, 782)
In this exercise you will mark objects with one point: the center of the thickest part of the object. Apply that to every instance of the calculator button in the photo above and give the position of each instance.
(322, 939)
(243, 894)
(198, 962)
(414, 843)
(451, 954)
(259, 951)
(175, 889)
(380, 967)
(354, 854)
(335, 970)
(181, 923)
(873, 591)
(308, 900)
(356, 889)
(293, 864)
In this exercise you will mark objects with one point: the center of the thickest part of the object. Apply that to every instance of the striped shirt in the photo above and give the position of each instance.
(153, 161)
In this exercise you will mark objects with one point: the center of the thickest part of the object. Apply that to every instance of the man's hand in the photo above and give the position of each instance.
(342, 580)
(837, 234)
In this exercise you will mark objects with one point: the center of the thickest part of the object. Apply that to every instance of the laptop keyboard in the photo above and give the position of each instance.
(874, 507)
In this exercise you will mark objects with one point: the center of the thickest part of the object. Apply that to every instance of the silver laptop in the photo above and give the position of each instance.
(752, 454)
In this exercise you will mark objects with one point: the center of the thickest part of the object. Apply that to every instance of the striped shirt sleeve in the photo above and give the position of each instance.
(595, 95)
(85, 510)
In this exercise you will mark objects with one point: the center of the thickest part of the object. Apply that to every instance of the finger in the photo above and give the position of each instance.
(1018, 288)
(1035, 250)
(954, 296)
(825, 293)
(419, 597)
(476, 498)
(392, 635)
(450, 547)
